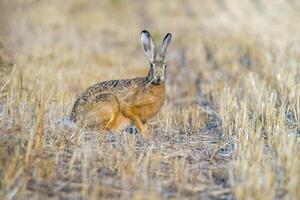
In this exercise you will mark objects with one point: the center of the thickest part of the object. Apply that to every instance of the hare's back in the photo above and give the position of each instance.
(107, 90)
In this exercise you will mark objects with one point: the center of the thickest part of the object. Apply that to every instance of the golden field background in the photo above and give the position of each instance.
(229, 128)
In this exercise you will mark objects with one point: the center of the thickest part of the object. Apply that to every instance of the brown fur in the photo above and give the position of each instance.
(119, 103)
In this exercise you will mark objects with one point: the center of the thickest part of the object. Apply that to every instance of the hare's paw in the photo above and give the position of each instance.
(145, 132)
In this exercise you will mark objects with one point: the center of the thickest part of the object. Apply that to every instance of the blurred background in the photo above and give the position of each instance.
(229, 128)
(83, 42)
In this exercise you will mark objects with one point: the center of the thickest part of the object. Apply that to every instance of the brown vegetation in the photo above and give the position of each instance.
(229, 128)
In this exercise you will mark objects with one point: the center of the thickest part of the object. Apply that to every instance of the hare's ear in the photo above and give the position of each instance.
(165, 45)
(148, 44)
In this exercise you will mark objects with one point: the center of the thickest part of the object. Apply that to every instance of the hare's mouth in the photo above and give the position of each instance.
(155, 81)
(158, 81)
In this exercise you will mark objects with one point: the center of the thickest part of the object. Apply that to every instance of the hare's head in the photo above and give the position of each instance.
(157, 73)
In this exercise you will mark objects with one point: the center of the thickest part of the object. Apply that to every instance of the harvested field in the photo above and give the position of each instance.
(230, 125)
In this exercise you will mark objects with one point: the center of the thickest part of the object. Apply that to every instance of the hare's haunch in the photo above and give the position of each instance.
(119, 103)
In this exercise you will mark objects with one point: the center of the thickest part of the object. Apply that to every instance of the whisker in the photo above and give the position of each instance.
(149, 83)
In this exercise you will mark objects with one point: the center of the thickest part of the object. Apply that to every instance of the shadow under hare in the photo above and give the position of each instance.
(116, 104)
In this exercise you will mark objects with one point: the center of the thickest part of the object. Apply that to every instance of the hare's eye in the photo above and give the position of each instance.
(165, 66)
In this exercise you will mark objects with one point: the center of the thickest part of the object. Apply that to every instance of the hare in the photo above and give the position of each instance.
(119, 103)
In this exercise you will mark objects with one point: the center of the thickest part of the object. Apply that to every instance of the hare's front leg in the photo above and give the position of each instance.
(137, 122)
(142, 128)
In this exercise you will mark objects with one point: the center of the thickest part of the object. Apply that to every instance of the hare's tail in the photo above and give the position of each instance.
(70, 121)
(66, 123)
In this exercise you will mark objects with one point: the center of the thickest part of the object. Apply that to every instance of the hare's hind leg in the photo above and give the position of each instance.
(106, 115)
(117, 122)
(137, 122)
(113, 123)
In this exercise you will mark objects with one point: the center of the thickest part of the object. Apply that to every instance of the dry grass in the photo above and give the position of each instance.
(230, 126)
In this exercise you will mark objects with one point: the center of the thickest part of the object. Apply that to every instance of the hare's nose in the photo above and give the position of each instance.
(159, 79)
